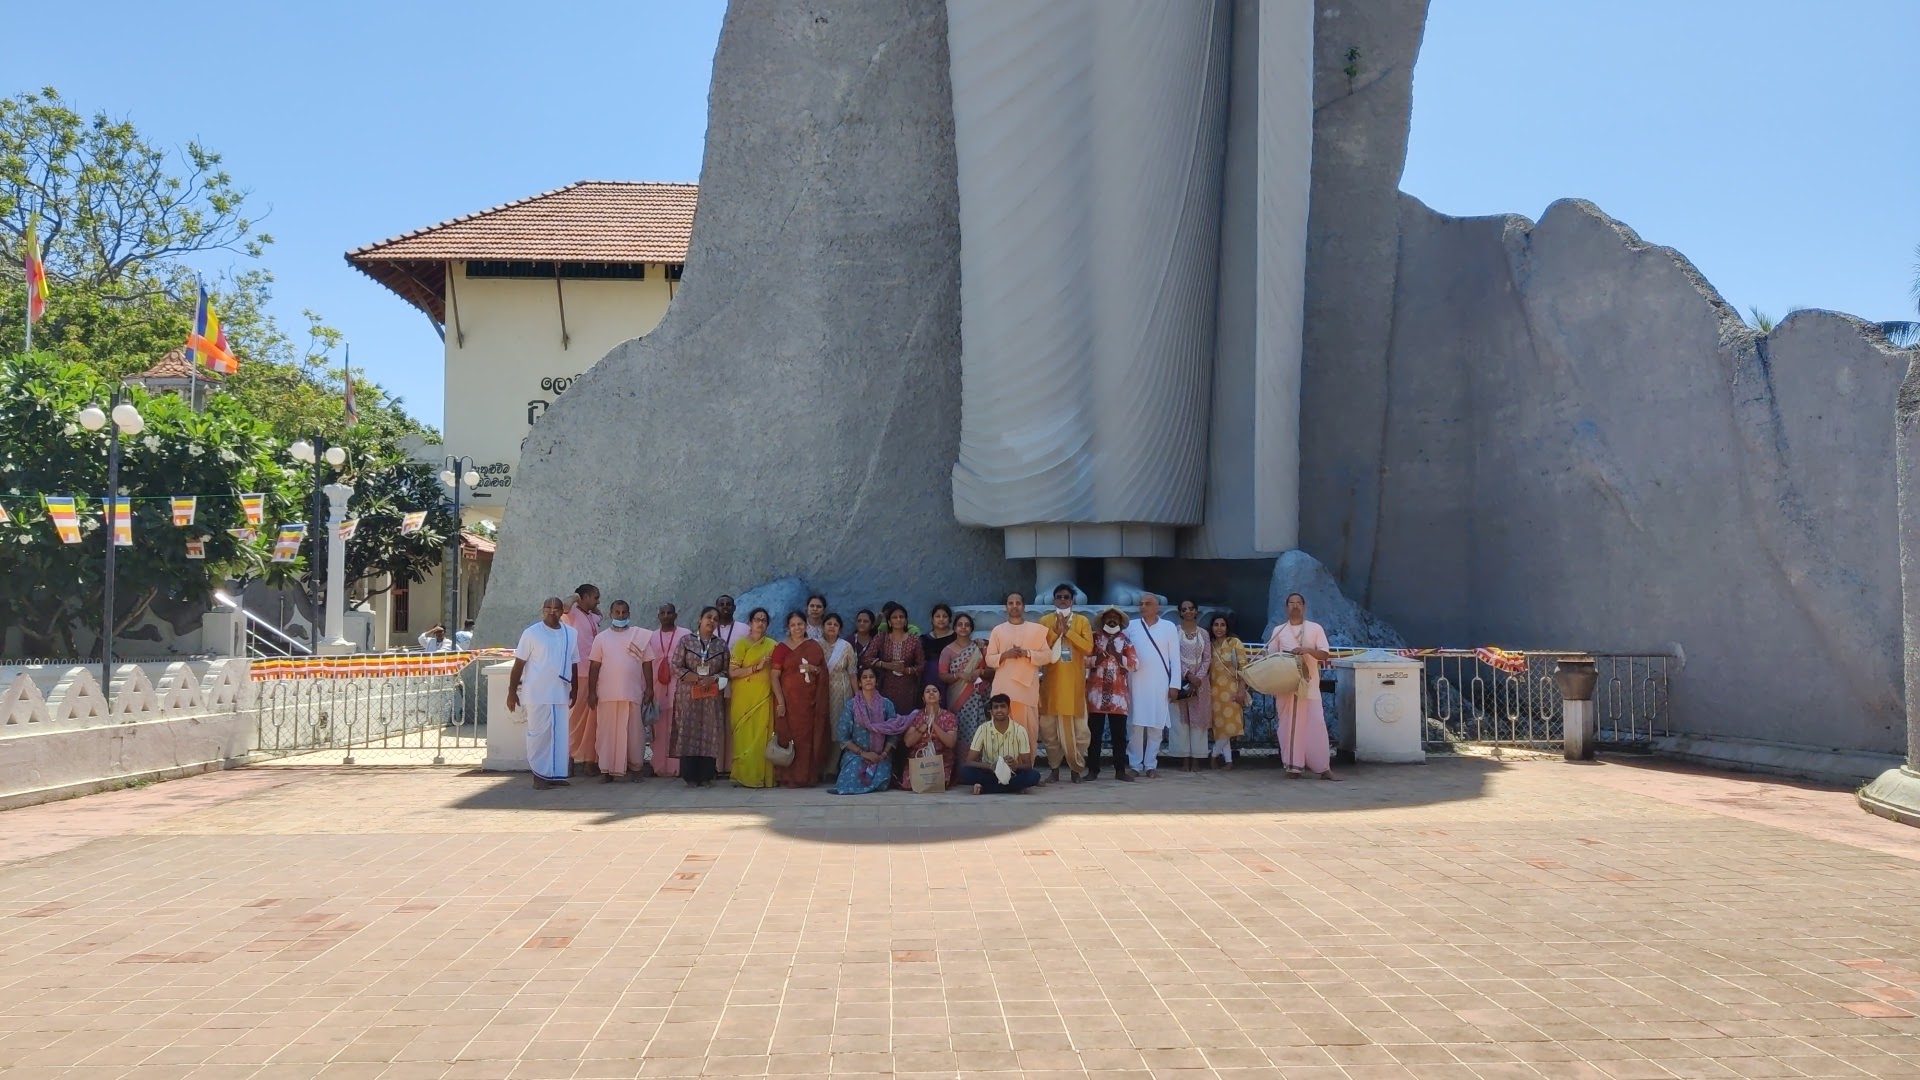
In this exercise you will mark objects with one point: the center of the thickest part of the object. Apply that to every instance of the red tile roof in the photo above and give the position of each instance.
(607, 221)
(174, 366)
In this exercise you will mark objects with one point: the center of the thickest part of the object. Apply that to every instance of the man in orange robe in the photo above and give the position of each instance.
(1016, 650)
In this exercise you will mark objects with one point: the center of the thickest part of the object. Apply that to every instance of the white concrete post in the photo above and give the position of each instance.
(506, 732)
(336, 642)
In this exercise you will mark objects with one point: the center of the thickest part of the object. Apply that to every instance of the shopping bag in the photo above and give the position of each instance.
(927, 774)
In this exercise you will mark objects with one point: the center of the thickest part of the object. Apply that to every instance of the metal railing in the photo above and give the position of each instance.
(1470, 699)
(380, 708)
(263, 638)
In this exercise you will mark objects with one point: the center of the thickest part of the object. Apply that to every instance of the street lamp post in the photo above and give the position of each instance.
(126, 419)
(314, 453)
(460, 471)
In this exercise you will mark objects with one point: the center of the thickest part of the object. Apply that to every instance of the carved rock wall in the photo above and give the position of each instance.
(1582, 446)
(796, 412)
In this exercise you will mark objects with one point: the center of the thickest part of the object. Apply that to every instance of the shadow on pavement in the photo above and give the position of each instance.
(902, 817)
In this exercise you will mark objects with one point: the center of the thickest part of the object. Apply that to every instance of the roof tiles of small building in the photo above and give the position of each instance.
(603, 221)
(174, 365)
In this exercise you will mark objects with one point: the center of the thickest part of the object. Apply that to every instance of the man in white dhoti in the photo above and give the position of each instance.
(1153, 686)
(543, 677)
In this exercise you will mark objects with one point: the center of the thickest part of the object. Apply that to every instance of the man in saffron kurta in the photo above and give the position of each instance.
(1015, 651)
(582, 733)
(1063, 687)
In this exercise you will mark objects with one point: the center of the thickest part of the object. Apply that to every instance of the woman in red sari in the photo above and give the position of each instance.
(800, 716)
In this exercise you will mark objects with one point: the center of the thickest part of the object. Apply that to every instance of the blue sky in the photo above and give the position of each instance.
(1774, 147)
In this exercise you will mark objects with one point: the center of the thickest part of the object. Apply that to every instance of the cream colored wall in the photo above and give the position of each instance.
(511, 363)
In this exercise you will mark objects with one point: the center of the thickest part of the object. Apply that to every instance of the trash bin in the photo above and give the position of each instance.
(1379, 703)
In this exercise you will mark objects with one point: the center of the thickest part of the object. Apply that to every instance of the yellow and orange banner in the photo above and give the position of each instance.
(245, 536)
(122, 521)
(255, 506)
(196, 549)
(413, 522)
(338, 667)
(348, 528)
(183, 509)
(65, 515)
(286, 547)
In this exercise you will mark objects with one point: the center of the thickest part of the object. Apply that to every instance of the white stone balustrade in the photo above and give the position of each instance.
(61, 734)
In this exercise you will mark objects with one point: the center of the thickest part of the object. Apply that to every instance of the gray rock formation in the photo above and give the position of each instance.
(1896, 792)
(1584, 447)
(778, 597)
(1348, 625)
(1353, 239)
(796, 412)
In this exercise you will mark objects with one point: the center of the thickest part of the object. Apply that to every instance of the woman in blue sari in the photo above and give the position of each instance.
(869, 726)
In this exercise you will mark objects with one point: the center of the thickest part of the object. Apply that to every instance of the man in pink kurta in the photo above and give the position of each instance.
(1016, 651)
(1302, 721)
(660, 646)
(582, 734)
(617, 690)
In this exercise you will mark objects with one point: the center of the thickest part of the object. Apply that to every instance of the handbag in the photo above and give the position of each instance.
(927, 774)
(781, 756)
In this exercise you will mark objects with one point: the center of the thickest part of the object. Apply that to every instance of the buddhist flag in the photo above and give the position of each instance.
(413, 522)
(196, 549)
(66, 517)
(207, 341)
(287, 546)
(122, 521)
(3, 516)
(255, 506)
(36, 274)
(348, 528)
(183, 507)
(245, 536)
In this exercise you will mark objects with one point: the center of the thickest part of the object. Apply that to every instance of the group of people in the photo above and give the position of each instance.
(865, 711)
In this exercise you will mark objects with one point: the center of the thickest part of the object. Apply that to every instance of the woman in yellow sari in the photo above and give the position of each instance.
(1229, 693)
(751, 712)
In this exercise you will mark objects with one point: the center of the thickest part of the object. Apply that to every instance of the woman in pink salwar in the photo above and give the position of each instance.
(666, 684)
(1301, 718)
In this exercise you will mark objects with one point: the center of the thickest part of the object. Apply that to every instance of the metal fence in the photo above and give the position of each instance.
(1469, 699)
(429, 711)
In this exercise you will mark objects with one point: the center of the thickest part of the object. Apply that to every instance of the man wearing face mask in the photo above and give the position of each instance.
(1109, 663)
(1063, 688)
(617, 691)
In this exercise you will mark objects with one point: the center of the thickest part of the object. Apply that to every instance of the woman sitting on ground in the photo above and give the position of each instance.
(931, 729)
(868, 730)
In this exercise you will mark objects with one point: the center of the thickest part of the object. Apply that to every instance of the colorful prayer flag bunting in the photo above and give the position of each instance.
(65, 515)
(183, 508)
(348, 528)
(245, 536)
(36, 273)
(3, 516)
(413, 522)
(207, 341)
(122, 521)
(287, 546)
(255, 506)
(196, 549)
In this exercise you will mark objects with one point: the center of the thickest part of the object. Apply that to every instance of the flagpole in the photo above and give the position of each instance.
(193, 367)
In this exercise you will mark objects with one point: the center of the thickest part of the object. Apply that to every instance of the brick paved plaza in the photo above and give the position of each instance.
(1469, 918)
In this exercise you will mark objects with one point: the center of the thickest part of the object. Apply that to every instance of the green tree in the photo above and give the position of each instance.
(50, 590)
(1905, 333)
(120, 218)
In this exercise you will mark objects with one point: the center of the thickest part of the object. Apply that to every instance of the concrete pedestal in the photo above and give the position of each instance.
(1894, 794)
(506, 732)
